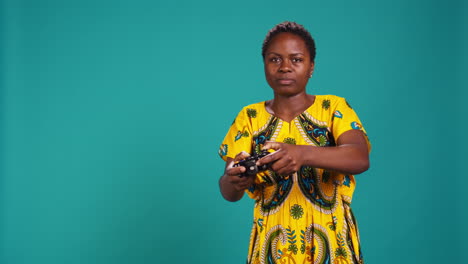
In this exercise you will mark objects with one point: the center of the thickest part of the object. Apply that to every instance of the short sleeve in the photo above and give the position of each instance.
(344, 119)
(238, 138)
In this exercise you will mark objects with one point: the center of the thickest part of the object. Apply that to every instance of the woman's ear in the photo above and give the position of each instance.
(311, 69)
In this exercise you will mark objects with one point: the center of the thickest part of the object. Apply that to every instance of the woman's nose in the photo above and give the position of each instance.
(285, 66)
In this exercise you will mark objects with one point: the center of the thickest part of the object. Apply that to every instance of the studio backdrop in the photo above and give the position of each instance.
(112, 113)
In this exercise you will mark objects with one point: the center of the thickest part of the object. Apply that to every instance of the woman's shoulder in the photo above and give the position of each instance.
(253, 113)
(253, 109)
(328, 101)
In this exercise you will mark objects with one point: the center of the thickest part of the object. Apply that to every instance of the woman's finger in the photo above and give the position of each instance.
(235, 171)
(270, 158)
(272, 145)
(240, 156)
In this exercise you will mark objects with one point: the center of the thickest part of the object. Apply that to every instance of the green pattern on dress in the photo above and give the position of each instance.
(296, 211)
(321, 246)
(333, 223)
(289, 140)
(293, 248)
(223, 150)
(341, 252)
(292, 240)
(270, 242)
(252, 113)
(241, 134)
(326, 104)
(309, 183)
(322, 140)
(303, 246)
(265, 135)
(317, 133)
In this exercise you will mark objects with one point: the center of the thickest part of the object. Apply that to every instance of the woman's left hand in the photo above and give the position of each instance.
(286, 160)
(349, 156)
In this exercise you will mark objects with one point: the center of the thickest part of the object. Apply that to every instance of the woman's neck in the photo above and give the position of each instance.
(287, 108)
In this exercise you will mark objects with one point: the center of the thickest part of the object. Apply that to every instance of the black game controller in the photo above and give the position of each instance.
(250, 165)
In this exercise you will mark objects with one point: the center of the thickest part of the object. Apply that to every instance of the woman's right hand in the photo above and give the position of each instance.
(232, 186)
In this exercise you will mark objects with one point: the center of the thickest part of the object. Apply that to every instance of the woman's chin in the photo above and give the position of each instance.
(288, 91)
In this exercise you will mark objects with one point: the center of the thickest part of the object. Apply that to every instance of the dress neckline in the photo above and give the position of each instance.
(292, 120)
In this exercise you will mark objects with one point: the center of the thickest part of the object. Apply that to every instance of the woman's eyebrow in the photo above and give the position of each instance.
(273, 53)
(291, 54)
(295, 54)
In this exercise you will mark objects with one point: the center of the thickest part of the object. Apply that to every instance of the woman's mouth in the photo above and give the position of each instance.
(285, 81)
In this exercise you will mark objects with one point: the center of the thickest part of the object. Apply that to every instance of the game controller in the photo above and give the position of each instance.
(250, 164)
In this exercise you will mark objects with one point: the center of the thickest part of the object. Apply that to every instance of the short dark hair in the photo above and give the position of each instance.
(293, 28)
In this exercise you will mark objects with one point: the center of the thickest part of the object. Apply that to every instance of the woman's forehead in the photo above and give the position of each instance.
(287, 42)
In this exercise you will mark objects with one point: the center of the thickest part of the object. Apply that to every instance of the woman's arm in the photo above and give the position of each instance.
(350, 156)
(231, 185)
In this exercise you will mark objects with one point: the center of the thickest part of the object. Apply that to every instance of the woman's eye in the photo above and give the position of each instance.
(297, 59)
(275, 59)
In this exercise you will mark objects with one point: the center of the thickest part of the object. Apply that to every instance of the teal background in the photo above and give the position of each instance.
(112, 113)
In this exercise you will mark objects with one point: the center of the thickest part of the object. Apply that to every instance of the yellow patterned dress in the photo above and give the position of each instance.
(305, 217)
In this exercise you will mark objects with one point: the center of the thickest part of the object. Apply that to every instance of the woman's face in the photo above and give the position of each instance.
(287, 64)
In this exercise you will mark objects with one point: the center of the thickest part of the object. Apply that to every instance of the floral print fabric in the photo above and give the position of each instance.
(304, 217)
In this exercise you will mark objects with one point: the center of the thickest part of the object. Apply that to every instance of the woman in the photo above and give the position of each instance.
(302, 212)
